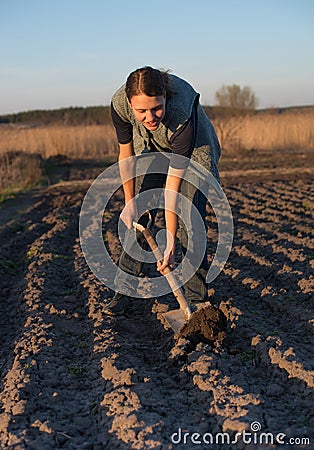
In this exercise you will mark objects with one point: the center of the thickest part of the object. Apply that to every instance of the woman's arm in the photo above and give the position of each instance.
(127, 169)
(124, 131)
(127, 173)
(172, 188)
(182, 147)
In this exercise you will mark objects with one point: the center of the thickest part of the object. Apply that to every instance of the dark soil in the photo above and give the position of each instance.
(207, 324)
(74, 378)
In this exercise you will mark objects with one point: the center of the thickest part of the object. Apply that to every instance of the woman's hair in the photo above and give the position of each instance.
(148, 81)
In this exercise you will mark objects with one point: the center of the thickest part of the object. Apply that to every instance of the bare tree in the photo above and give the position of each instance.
(227, 128)
(235, 97)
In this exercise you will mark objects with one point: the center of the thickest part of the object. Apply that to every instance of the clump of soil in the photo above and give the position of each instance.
(205, 325)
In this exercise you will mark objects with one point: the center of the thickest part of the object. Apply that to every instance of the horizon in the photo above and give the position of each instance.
(107, 106)
(73, 54)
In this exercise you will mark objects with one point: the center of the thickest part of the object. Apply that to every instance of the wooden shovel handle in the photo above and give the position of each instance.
(177, 291)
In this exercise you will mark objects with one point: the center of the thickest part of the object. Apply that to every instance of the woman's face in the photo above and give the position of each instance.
(149, 110)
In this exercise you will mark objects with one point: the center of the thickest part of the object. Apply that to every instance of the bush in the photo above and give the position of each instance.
(20, 170)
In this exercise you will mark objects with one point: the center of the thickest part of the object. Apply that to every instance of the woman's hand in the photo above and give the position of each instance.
(167, 261)
(129, 213)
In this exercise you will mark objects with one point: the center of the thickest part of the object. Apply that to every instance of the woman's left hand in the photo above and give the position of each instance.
(168, 261)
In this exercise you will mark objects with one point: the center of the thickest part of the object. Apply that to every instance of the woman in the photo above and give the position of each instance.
(160, 112)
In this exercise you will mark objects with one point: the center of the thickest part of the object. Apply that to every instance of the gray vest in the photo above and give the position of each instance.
(178, 110)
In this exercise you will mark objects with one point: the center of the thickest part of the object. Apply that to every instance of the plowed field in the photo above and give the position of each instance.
(73, 378)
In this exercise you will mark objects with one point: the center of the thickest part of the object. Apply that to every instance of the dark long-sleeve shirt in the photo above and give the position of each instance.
(182, 141)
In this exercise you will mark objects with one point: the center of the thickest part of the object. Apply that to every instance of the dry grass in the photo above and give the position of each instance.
(267, 131)
(76, 142)
(23, 151)
(19, 171)
(263, 131)
(290, 130)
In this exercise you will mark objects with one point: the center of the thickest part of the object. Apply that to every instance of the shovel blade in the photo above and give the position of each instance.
(175, 318)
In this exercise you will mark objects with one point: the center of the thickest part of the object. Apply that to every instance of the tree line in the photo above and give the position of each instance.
(231, 100)
(92, 115)
(228, 98)
(99, 115)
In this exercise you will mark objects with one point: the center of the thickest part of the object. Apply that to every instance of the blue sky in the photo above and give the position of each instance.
(57, 53)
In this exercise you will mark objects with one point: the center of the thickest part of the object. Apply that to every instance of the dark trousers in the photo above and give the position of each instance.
(192, 239)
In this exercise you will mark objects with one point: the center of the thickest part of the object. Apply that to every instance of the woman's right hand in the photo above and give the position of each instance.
(129, 213)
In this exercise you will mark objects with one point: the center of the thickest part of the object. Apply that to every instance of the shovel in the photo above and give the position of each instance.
(177, 317)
